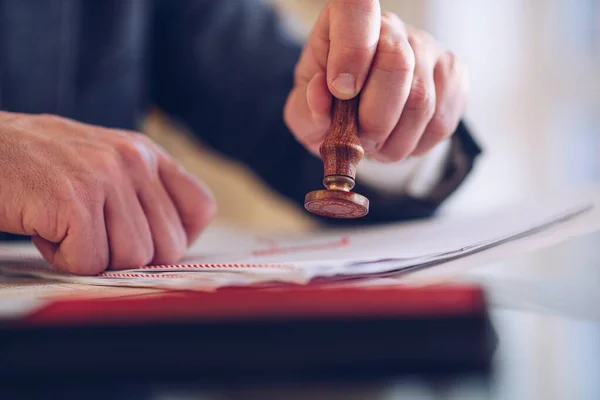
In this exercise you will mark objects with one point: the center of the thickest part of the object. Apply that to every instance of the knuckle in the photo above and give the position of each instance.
(421, 98)
(108, 166)
(392, 25)
(394, 55)
(135, 155)
(87, 189)
(440, 127)
(389, 16)
(418, 37)
(447, 67)
(141, 139)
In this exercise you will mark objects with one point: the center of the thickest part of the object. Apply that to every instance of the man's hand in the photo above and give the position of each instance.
(412, 92)
(94, 198)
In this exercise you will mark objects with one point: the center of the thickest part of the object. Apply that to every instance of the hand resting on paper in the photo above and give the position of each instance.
(413, 92)
(94, 198)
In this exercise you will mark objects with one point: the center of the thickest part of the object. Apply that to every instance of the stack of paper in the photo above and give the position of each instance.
(225, 257)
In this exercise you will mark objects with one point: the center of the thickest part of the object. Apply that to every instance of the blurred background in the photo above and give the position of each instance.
(534, 104)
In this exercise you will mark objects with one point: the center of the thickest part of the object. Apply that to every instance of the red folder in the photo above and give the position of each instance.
(288, 303)
(297, 334)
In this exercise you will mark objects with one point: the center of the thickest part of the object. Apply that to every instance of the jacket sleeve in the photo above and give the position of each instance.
(224, 69)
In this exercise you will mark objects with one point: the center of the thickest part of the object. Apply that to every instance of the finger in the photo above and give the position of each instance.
(128, 231)
(353, 33)
(307, 112)
(168, 234)
(451, 99)
(193, 201)
(83, 250)
(419, 106)
(142, 158)
(388, 85)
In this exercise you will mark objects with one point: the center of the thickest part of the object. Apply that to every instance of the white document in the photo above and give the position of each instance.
(226, 257)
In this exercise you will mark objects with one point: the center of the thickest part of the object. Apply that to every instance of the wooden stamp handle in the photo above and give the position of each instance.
(341, 151)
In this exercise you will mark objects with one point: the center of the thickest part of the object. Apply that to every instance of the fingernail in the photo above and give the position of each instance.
(345, 84)
(368, 145)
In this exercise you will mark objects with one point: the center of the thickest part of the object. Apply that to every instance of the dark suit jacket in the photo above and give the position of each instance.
(221, 67)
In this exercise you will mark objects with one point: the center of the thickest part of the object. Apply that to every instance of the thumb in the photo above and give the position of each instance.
(354, 27)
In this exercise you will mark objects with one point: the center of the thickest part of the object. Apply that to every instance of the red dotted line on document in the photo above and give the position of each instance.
(152, 276)
(219, 266)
